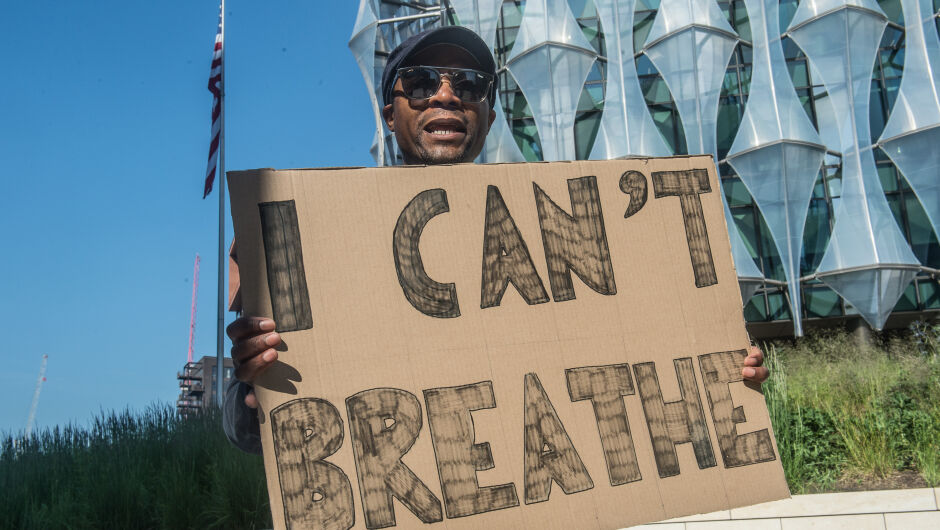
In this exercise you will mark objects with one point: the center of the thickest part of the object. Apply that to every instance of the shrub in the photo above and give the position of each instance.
(842, 407)
(132, 470)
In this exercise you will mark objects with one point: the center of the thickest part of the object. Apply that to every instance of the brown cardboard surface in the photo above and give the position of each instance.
(516, 414)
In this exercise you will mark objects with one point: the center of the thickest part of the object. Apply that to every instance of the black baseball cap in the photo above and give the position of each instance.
(454, 35)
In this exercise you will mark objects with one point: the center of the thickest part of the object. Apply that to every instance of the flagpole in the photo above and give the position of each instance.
(220, 325)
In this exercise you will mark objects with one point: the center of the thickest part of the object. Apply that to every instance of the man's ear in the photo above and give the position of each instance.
(492, 117)
(389, 116)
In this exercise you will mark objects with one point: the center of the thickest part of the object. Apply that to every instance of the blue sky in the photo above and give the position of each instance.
(104, 131)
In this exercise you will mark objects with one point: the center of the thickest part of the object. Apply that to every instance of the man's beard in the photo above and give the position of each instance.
(430, 156)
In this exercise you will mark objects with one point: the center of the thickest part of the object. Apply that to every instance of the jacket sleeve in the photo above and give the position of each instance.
(240, 422)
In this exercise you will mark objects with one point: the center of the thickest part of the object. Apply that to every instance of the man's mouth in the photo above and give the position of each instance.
(445, 129)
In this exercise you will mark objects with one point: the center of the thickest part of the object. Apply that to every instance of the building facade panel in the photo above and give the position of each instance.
(853, 139)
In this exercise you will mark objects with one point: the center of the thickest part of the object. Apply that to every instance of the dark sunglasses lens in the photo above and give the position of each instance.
(470, 86)
(420, 83)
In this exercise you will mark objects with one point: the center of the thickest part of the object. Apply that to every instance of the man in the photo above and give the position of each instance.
(439, 89)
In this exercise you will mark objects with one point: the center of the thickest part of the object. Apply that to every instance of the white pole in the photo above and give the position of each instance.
(220, 325)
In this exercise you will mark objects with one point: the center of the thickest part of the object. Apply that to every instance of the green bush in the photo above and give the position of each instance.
(132, 470)
(844, 408)
(839, 408)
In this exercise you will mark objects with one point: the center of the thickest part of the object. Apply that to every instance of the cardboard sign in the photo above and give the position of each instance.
(548, 345)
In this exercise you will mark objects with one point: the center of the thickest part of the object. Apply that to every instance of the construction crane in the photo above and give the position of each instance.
(32, 408)
(192, 314)
(192, 317)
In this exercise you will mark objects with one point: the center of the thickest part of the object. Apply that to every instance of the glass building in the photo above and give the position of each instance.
(822, 115)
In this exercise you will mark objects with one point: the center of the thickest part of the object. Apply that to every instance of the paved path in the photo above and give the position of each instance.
(912, 509)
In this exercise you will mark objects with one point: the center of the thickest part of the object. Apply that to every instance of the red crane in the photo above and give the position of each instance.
(192, 314)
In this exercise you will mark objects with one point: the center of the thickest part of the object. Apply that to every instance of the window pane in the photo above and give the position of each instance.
(835, 186)
(787, 9)
(908, 300)
(669, 124)
(586, 126)
(729, 119)
(923, 240)
(790, 49)
(772, 265)
(740, 21)
(821, 301)
(929, 293)
(894, 202)
(512, 13)
(642, 23)
(888, 176)
(735, 192)
(892, 8)
(755, 310)
(730, 84)
(655, 90)
(798, 73)
(891, 90)
(744, 219)
(819, 191)
(876, 111)
(779, 308)
(892, 62)
(815, 236)
(527, 137)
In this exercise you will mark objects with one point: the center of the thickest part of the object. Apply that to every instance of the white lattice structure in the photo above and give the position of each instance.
(552, 65)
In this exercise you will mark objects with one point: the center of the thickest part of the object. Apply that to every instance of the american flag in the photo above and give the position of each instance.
(215, 86)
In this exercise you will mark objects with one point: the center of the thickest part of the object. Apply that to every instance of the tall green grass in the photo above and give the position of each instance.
(841, 408)
(132, 470)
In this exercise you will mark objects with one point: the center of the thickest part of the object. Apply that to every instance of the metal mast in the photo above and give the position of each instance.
(220, 309)
(32, 408)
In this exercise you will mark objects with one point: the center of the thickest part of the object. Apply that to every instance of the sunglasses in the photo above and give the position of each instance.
(422, 82)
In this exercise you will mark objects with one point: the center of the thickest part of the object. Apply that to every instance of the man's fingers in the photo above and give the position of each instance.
(249, 370)
(755, 357)
(756, 374)
(252, 346)
(247, 326)
(251, 400)
(753, 366)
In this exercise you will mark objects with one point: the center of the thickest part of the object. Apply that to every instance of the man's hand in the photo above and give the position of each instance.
(753, 366)
(253, 342)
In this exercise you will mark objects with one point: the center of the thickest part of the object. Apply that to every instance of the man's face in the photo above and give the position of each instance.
(442, 129)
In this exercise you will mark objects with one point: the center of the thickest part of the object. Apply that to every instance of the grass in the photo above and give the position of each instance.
(132, 470)
(844, 410)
